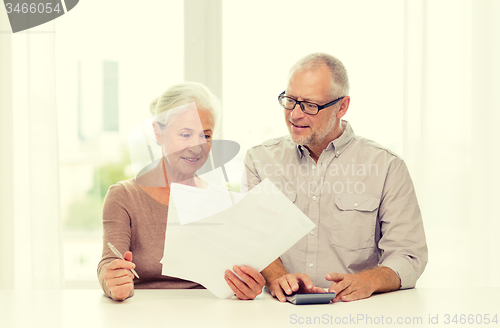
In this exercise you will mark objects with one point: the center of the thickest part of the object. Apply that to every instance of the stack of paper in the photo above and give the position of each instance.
(207, 235)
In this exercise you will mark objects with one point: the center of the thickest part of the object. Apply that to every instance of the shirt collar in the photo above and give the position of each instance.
(338, 145)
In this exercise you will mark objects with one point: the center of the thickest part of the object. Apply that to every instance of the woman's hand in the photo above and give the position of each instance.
(119, 278)
(252, 283)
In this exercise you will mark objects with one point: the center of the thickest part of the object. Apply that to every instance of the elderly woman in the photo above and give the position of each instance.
(135, 211)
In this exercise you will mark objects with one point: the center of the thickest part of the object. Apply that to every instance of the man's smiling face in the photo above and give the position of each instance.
(313, 85)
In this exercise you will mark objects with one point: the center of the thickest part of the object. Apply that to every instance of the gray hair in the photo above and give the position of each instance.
(183, 94)
(340, 82)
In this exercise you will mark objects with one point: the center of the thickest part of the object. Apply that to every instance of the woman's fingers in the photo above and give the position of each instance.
(119, 278)
(128, 256)
(121, 292)
(119, 281)
(120, 264)
(249, 286)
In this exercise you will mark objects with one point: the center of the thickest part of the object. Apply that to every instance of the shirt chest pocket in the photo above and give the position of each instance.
(354, 219)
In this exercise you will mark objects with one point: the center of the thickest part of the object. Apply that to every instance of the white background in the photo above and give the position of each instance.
(423, 79)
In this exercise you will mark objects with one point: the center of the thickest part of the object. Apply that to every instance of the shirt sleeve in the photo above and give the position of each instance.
(116, 229)
(402, 243)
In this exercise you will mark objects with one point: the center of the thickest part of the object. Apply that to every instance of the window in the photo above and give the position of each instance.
(108, 72)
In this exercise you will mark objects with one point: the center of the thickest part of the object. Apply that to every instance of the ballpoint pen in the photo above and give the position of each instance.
(117, 253)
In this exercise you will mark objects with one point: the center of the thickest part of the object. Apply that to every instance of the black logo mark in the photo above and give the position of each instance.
(25, 14)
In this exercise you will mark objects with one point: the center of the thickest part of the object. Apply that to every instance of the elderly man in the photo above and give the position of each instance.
(369, 235)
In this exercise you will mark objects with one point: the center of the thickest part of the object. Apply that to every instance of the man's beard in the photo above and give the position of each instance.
(314, 138)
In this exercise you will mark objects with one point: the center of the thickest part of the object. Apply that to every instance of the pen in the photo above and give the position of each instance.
(117, 253)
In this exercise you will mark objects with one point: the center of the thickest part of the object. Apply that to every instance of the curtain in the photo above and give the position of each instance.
(6, 153)
(451, 120)
(485, 157)
(30, 220)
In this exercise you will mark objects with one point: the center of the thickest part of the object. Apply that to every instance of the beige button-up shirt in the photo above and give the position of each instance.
(361, 198)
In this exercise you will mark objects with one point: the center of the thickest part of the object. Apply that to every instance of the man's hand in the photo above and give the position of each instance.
(280, 282)
(292, 283)
(352, 287)
(119, 278)
(252, 283)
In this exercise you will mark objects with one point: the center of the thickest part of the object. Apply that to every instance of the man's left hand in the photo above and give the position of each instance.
(352, 287)
(252, 283)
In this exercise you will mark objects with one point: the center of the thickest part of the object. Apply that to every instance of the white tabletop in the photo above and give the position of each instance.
(199, 308)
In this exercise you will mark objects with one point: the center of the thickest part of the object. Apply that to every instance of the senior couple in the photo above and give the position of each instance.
(368, 238)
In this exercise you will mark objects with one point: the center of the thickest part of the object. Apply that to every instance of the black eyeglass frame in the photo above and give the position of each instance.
(320, 107)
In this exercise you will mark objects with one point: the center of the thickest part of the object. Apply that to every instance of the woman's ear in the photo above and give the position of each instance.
(156, 130)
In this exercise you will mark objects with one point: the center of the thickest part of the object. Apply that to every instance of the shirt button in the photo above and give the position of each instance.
(338, 152)
(314, 197)
(314, 166)
(355, 204)
(310, 265)
(312, 232)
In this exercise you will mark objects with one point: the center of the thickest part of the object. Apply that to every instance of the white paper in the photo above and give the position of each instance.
(260, 227)
(193, 204)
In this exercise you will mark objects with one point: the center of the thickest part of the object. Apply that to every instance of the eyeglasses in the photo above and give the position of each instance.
(307, 107)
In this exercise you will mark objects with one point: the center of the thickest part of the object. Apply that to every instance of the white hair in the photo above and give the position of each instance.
(340, 82)
(183, 94)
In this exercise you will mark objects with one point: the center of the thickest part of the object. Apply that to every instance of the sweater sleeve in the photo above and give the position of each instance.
(116, 229)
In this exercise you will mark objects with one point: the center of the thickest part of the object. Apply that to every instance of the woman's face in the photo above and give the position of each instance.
(186, 142)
